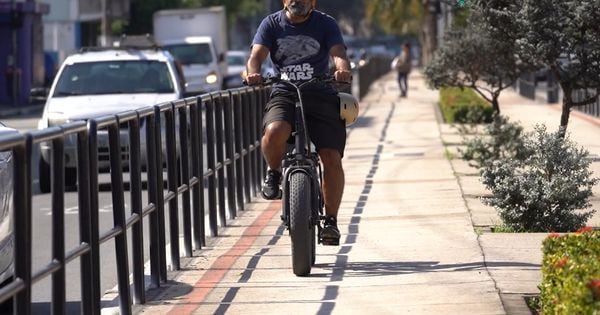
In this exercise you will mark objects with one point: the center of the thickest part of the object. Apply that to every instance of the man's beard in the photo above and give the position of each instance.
(298, 9)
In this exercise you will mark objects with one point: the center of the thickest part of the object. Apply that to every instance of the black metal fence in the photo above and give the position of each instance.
(590, 109)
(551, 92)
(228, 120)
(227, 124)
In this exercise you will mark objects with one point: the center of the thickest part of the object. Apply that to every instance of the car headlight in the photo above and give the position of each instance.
(55, 119)
(211, 78)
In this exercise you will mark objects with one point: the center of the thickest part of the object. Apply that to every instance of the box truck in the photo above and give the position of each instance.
(197, 38)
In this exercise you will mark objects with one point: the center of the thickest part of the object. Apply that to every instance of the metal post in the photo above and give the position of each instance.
(116, 179)
(85, 229)
(94, 224)
(15, 55)
(22, 214)
(58, 224)
(229, 156)
(220, 158)
(239, 149)
(137, 230)
(185, 180)
(197, 169)
(172, 185)
(152, 175)
(210, 148)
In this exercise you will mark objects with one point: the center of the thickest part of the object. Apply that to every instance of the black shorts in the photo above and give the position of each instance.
(322, 112)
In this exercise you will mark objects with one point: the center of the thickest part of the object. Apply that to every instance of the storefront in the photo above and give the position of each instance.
(21, 50)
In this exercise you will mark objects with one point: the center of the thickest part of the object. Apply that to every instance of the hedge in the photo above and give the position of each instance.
(464, 106)
(571, 273)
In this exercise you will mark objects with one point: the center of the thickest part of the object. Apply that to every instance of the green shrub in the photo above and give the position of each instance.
(571, 273)
(464, 106)
(502, 140)
(545, 191)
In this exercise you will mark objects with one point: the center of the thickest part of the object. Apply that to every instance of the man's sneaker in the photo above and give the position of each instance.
(330, 235)
(270, 187)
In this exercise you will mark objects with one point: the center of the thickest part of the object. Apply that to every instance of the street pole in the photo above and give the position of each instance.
(105, 23)
(15, 51)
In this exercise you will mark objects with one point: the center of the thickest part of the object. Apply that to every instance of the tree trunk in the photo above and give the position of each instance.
(566, 111)
(496, 105)
(429, 33)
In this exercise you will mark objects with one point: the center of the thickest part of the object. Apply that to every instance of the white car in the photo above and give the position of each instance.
(6, 211)
(236, 64)
(99, 82)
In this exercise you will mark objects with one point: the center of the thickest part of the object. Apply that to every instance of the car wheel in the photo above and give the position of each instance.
(44, 175)
(70, 177)
(45, 178)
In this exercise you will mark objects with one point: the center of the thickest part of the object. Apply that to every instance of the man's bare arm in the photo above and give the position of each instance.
(258, 54)
(342, 65)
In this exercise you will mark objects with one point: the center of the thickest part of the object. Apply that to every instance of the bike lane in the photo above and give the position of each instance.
(407, 245)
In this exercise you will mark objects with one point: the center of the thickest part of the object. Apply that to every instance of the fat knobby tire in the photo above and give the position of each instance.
(301, 230)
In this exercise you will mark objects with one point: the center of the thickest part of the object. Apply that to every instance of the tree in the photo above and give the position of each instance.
(406, 17)
(346, 12)
(565, 37)
(477, 58)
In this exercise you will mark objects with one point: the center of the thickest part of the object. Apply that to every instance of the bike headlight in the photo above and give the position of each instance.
(211, 78)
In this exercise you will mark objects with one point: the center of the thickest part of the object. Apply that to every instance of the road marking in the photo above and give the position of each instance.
(221, 266)
(75, 209)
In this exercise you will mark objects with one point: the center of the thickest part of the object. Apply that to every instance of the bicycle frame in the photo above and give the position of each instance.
(301, 158)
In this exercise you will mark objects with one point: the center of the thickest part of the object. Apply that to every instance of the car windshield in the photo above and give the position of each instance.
(236, 60)
(115, 77)
(191, 53)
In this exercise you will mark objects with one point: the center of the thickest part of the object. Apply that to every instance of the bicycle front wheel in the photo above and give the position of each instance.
(301, 229)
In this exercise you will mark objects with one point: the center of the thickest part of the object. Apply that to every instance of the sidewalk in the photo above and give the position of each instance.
(415, 238)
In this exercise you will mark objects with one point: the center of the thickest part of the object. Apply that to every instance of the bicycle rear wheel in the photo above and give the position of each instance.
(302, 231)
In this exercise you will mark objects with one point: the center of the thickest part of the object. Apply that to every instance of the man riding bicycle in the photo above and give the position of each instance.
(300, 41)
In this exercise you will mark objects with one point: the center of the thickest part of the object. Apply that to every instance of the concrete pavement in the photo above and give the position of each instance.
(415, 238)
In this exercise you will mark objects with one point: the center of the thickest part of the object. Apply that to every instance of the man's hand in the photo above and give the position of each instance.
(254, 79)
(343, 76)
(258, 54)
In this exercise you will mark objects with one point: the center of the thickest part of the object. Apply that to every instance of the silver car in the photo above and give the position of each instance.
(6, 211)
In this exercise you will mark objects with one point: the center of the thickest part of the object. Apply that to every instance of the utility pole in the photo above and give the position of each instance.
(12, 62)
(105, 24)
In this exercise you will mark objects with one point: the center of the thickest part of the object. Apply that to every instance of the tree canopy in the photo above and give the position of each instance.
(479, 56)
(563, 36)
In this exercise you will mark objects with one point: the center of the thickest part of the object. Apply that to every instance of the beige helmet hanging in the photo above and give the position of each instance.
(348, 108)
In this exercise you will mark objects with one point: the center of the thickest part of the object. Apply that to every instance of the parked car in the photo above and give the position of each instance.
(236, 64)
(98, 82)
(6, 211)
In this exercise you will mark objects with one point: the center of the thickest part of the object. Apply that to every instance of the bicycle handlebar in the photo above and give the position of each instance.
(316, 79)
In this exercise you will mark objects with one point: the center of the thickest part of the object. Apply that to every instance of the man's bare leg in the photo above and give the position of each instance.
(333, 189)
(273, 145)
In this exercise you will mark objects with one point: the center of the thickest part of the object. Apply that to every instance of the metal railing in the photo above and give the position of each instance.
(551, 93)
(590, 109)
(234, 161)
(171, 136)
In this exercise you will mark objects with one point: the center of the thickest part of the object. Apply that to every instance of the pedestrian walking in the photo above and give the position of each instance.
(403, 64)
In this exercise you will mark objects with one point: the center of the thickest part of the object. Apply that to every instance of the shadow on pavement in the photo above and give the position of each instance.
(376, 269)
